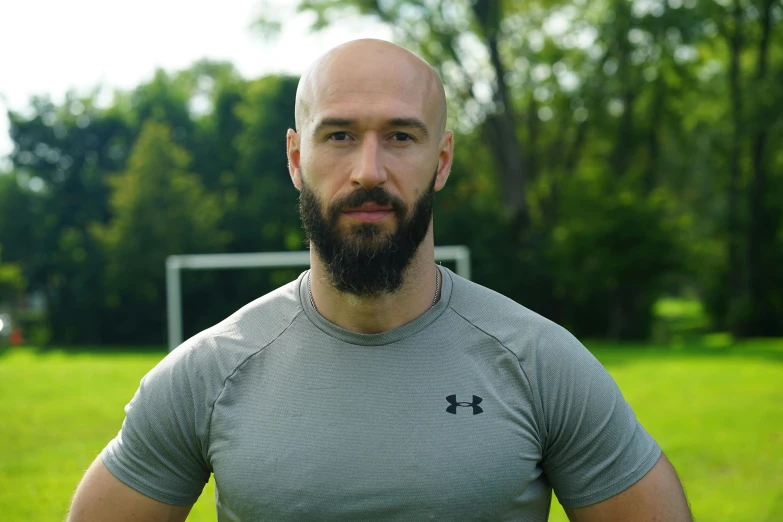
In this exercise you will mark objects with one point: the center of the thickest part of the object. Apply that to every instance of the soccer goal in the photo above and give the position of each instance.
(175, 264)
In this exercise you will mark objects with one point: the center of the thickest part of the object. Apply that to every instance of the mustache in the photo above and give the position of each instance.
(359, 197)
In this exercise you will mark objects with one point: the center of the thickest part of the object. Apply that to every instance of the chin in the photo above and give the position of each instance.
(369, 230)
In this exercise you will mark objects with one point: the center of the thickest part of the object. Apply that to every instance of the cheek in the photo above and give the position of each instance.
(422, 181)
(321, 181)
(323, 167)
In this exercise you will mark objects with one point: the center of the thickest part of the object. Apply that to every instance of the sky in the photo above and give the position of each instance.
(52, 46)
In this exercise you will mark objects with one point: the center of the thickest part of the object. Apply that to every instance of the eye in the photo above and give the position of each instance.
(402, 137)
(339, 136)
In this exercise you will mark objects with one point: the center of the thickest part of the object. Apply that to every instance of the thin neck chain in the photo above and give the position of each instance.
(434, 299)
(437, 286)
(310, 291)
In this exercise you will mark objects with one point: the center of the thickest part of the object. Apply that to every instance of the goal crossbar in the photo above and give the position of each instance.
(175, 264)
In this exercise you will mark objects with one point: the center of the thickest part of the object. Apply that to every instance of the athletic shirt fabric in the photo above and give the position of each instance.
(475, 410)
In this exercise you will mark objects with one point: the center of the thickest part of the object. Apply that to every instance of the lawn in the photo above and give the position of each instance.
(716, 409)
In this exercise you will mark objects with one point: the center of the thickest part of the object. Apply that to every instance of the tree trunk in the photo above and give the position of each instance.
(624, 142)
(735, 269)
(760, 228)
(653, 137)
(506, 148)
(569, 163)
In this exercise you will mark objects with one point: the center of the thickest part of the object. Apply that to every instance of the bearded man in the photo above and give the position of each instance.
(379, 386)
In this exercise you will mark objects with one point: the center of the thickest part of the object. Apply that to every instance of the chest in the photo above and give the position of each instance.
(365, 441)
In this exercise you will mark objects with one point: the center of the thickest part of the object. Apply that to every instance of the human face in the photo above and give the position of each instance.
(370, 133)
(365, 261)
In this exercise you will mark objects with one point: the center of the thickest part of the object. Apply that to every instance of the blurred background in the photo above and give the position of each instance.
(618, 169)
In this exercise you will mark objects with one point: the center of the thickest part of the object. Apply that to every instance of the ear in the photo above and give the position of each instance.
(294, 157)
(445, 157)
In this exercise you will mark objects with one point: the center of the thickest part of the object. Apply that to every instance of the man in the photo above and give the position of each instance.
(379, 386)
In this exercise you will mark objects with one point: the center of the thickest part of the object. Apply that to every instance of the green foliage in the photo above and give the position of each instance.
(608, 153)
(61, 155)
(159, 208)
(606, 238)
(18, 231)
(262, 199)
(248, 126)
(661, 98)
(12, 282)
(84, 219)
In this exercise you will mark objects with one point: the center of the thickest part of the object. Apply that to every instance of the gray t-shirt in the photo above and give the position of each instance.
(476, 410)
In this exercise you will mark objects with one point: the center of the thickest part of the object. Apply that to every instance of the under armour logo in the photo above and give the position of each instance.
(454, 404)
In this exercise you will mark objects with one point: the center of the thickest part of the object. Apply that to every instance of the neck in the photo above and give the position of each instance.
(385, 312)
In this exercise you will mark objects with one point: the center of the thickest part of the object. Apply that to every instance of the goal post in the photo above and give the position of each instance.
(175, 264)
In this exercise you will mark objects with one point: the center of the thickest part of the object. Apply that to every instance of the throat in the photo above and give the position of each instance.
(374, 315)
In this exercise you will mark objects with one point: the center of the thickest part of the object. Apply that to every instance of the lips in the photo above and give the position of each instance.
(368, 212)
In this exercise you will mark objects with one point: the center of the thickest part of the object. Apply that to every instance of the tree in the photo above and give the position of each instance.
(12, 282)
(553, 92)
(747, 297)
(765, 282)
(61, 156)
(608, 152)
(262, 213)
(159, 208)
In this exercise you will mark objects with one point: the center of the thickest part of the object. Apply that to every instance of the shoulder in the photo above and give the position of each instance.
(168, 422)
(255, 324)
(517, 328)
(215, 353)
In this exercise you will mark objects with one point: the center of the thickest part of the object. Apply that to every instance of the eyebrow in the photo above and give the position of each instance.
(332, 122)
(411, 123)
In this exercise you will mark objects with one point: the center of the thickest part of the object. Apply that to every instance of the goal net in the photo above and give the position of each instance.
(460, 255)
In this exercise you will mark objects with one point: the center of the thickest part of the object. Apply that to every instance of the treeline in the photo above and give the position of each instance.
(608, 153)
(191, 162)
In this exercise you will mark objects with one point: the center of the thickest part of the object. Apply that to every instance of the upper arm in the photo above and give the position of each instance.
(593, 447)
(101, 496)
(658, 496)
(161, 450)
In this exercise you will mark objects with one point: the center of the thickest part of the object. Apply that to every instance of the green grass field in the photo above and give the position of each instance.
(716, 410)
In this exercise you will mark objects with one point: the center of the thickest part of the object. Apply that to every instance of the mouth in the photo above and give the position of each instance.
(368, 212)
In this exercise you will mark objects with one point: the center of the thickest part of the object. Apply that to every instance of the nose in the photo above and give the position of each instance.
(369, 171)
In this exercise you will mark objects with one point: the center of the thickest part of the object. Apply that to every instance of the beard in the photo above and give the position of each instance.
(365, 260)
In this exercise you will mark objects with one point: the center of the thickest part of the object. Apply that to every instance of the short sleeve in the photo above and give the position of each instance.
(160, 450)
(593, 445)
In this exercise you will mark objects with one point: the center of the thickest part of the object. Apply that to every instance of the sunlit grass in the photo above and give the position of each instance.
(716, 410)
(678, 318)
(678, 308)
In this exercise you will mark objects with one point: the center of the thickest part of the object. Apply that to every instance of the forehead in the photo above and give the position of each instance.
(369, 90)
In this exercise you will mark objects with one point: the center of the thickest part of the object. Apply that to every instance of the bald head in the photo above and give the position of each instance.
(371, 72)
